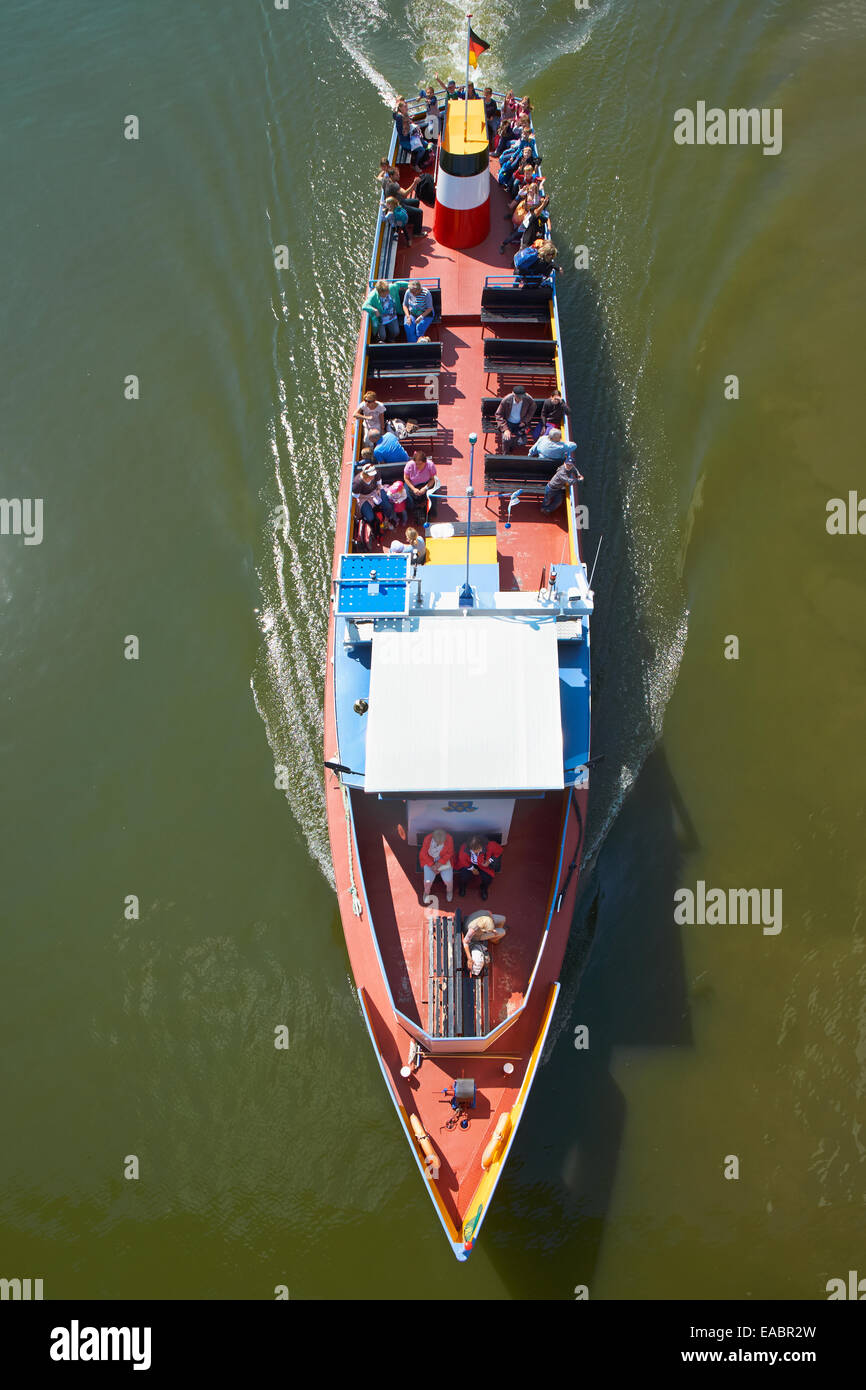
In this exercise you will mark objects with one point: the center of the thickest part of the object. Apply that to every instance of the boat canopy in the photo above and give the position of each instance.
(468, 703)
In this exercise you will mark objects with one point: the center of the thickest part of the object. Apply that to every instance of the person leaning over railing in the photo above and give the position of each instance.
(565, 475)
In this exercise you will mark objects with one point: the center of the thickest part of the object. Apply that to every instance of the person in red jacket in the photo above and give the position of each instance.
(437, 857)
(475, 864)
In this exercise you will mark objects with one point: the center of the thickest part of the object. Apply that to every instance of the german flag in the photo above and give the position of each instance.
(476, 48)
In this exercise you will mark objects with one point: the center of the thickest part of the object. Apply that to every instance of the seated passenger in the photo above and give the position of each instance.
(471, 94)
(402, 428)
(392, 188)
(509, 106)
(480, 930)
(513, 417)
(397, 217)
(372, 499)
(437, 855)
(552, 446)
(371, 413)
(383, 306)
(476, 864)
(554, 493)
(553, 412)
(414, 545)
(421, 483)
(417, 310)
(531, 228)
(399, 497)
(387, 448)
(403, 124)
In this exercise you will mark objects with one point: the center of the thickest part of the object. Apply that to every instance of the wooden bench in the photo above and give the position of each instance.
(520, 356)
(424, 413)
(458, 1003)
(505, 304)
(386, 360)
(444, 976)
(506, 472)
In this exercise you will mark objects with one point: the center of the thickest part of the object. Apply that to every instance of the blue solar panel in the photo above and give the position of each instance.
(356, 576)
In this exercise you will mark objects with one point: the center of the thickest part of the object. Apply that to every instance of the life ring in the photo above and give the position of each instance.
(497, 1143)
(431, 1160)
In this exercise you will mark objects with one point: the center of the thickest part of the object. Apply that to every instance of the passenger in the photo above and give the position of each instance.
(398, 217)
(479, 931)
(414, 545)
(552, 446)
(383, 306)
(391, 188)
(417, 310)
(402, 428)
(421, 481)
(535, 263)
(554, 493)
(509, 106)
(531, 228)
(371, 412)
(437, 855)
(507, 132)
(403, 125)
(387, 169)
(476, 864)
(387, 448)
(372, 499)
(471, 94)
(514, 415)
(529, 195)
(553, 412)
(419, 149)
(451, 91)
(400, 499)
(525, 107)
(491, 114)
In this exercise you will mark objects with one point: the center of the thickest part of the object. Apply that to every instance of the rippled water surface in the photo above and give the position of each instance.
(200, 519)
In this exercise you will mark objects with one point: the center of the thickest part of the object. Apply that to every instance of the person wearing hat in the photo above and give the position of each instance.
(451, 92)
(565, 475)
(513, 416)
(371, 498)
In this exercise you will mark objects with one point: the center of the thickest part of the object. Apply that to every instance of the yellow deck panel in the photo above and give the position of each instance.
(451, 550)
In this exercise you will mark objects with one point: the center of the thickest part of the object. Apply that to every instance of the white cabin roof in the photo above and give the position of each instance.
(468, 703)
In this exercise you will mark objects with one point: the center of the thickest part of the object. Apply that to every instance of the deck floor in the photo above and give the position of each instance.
(519, 891)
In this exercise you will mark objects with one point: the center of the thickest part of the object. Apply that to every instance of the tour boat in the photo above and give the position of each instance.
(457, 694)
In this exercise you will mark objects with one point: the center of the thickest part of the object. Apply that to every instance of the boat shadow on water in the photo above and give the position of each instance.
(623, 978)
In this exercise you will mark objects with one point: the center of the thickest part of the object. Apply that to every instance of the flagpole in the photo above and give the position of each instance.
(466, 84)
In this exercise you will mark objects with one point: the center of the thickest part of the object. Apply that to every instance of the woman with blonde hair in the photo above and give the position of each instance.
(372, 414)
